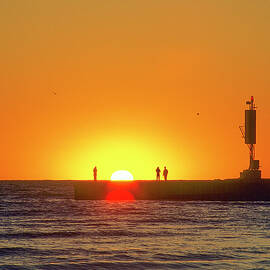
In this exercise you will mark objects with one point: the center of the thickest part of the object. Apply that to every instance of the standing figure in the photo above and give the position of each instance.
(95, 173)
(165, 173)
(158, 173)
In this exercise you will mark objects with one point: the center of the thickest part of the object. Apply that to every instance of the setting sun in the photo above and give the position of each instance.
(122, 175)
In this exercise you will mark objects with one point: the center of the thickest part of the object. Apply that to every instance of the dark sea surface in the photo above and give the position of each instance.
(43, 227)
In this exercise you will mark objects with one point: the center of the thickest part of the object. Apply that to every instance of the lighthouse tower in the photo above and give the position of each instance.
(249, 134)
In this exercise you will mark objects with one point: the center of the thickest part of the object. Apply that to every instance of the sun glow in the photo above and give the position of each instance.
(122, 175)
(120, 195)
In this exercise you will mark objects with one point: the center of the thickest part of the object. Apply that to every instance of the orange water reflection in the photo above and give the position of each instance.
(120, 195)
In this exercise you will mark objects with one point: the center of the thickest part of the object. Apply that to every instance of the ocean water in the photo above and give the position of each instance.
(43, 227)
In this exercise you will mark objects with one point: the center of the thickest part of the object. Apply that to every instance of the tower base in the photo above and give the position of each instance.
(251, 175)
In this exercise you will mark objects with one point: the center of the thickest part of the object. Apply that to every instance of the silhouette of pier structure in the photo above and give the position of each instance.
(253, 173)
(249, 187)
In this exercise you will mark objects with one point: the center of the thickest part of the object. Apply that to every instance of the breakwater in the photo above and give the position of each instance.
(183, 190)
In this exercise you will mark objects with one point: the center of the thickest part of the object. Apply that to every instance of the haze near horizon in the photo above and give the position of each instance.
(131, 86)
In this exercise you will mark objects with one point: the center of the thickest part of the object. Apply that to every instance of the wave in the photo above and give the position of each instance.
(93, 233)
(25, 235)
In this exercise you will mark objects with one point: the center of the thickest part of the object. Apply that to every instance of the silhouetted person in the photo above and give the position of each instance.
(165, 173)
(158, 173)
(95, 173)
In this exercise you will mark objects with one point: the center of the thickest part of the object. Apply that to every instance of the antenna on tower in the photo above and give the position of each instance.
(249, 134)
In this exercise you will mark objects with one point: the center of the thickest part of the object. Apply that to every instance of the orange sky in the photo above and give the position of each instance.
(130, 77)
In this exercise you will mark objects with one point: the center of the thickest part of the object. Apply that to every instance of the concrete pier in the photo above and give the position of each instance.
(183, 190)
